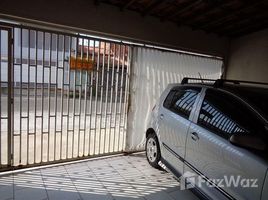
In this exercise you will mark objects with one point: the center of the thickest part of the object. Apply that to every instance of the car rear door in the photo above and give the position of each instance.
(175, 115)
(209, 153)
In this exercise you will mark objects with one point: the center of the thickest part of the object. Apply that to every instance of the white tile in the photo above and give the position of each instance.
(30, 193)
(158, 196)
(29, 179)
(6, 192)
(6, 180)
(94, 196)
(64, 195)
(183, 194)
(129, 198)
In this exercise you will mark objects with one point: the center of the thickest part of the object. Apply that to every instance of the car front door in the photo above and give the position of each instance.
(175, 115)
(238, 173)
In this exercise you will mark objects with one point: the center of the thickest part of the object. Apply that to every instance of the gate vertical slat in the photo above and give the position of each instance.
(101, 95)
(96, 98)
(10, 100)
(56, 95)
(12, 135)
(80, 96)
(85, 100)
(111, 98)
(35, 92)
(1, 97)
(106, 95)
(91, 97)
(116, 95)
(74, 98)
(49, 90)
(28, 98)
(121, 91)
(111, 111)
(62, 92)
(42, 93)
(126, 93)
(68, 100)
(21, 68)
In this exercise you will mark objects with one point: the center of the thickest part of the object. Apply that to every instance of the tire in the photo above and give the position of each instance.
(152, 148)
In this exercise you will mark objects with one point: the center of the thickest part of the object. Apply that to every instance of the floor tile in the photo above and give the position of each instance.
(6, 192)
(92, 196)
(31, 193)
(66, 195)
(182, 194)
(159, 196)
(116, 178)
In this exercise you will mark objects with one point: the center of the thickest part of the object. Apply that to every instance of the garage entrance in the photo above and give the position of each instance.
(63, 96)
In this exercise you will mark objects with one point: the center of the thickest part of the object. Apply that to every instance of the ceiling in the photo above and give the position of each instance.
(231, 18)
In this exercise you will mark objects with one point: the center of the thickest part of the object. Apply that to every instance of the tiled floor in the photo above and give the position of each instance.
(116, 178)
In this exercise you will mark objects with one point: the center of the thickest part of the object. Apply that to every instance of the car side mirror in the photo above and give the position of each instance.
(248, 141)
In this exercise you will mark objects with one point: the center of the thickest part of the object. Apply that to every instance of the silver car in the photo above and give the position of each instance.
(213, 136)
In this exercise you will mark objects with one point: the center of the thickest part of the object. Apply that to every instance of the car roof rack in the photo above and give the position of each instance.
(185, 80)
(220, 82)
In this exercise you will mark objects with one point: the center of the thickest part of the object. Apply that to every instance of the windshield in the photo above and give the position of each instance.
(256, 97)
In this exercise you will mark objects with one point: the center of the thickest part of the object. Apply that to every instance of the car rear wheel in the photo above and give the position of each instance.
(152, 150)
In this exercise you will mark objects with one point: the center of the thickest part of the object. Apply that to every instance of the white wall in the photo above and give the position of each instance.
(152, 71)
(108, 20)
(248, 58)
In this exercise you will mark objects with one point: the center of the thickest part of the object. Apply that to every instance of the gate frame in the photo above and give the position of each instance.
(9, 26)
(10, 98)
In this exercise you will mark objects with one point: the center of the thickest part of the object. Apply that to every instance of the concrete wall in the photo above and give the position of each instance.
(248, 58)
(107, 19)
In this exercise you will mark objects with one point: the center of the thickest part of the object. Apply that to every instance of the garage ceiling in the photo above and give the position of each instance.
(230, 18)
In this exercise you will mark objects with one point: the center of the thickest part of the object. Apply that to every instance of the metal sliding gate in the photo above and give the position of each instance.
(63, 96)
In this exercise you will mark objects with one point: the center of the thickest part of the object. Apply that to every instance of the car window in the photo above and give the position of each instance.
(226, 115)
(181, 100)
(256, 97)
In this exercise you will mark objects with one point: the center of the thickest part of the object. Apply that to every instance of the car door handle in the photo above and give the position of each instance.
(194, 136)
(162, 116)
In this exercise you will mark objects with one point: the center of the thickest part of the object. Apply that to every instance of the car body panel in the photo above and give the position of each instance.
(216, 158)
(156, 123)
(174, 129)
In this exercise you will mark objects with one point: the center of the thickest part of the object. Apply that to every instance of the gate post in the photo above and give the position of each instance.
(10, 98)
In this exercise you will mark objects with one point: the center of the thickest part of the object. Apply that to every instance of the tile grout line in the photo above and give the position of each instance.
(73, 183)
(149, 178)
(138, 170)
(126, 180)
(100, 181)
(44, 183)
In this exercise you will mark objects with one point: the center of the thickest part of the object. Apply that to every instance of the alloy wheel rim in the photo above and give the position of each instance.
(151, 149)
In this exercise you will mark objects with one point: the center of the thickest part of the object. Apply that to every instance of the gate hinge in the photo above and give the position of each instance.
(12, 40)
(12, 101)
(11, 156)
